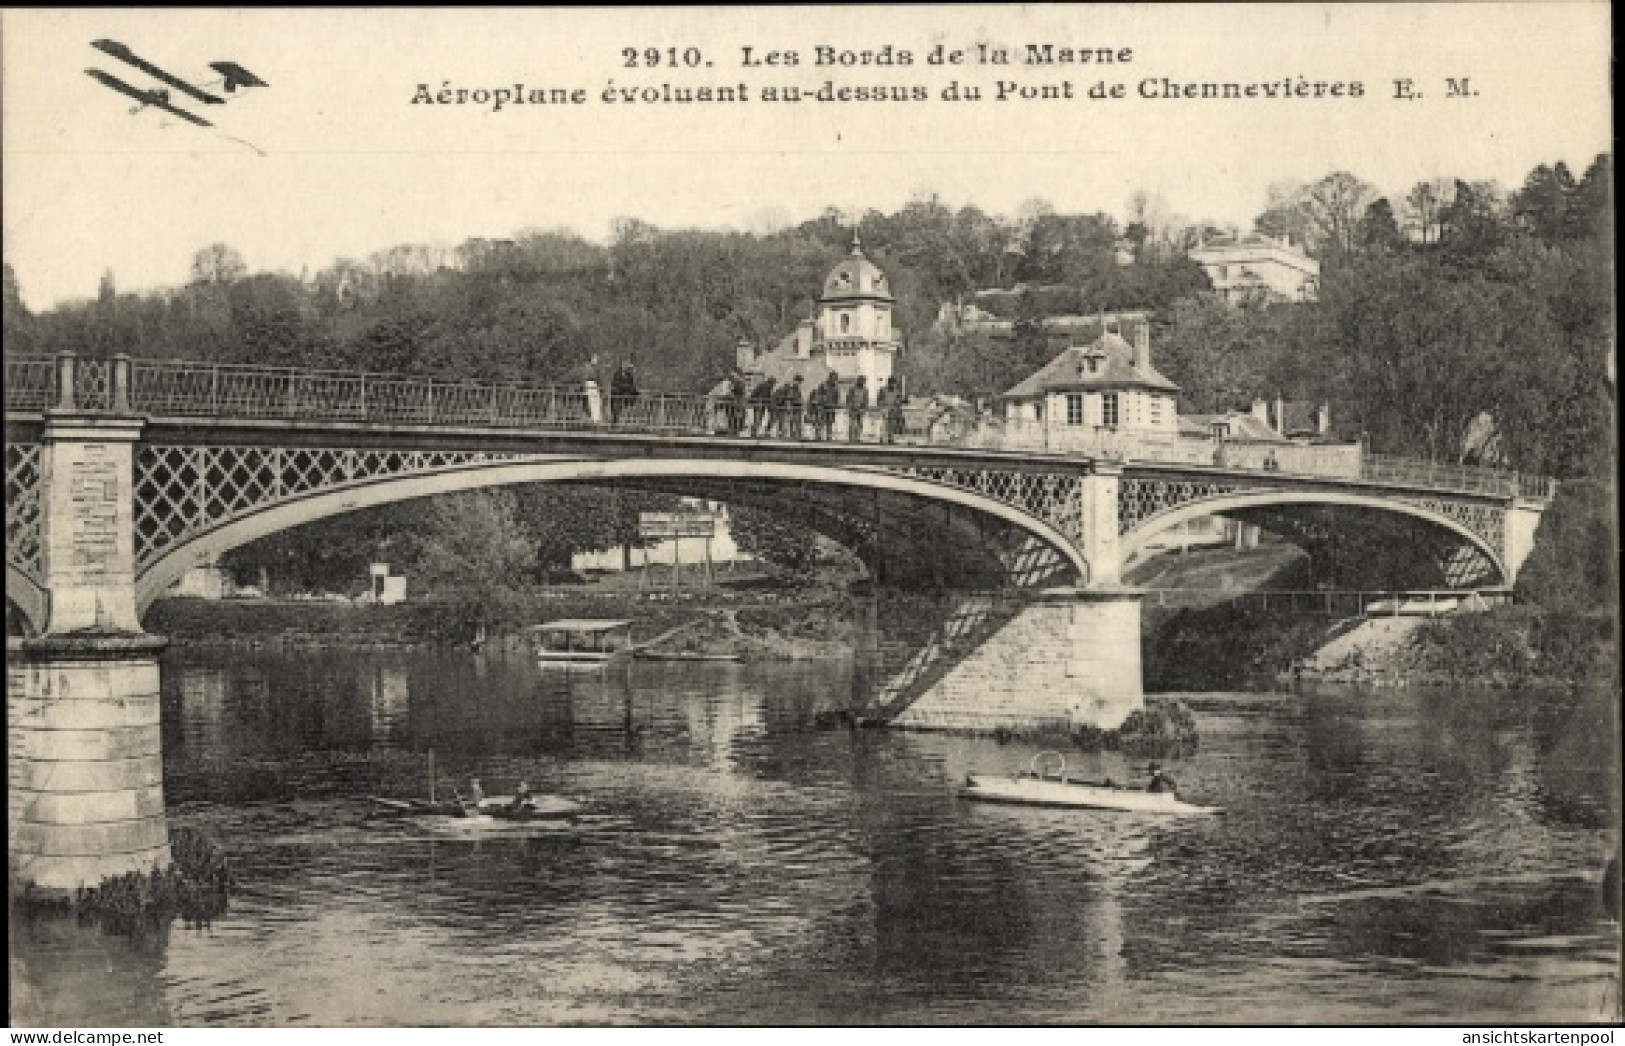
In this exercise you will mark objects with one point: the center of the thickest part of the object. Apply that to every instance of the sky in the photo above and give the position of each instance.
(351, 165)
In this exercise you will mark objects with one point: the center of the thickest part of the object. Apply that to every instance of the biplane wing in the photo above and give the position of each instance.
(124, 54)
(236, 76)
(156, 99)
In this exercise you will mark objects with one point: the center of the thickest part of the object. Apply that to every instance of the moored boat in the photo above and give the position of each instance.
(681, 655)
(1045, 786)
(580, 642)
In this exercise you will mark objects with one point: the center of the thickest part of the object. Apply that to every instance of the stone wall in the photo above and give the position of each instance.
(1054, 660)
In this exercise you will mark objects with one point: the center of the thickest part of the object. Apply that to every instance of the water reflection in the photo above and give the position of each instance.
(1410, 855)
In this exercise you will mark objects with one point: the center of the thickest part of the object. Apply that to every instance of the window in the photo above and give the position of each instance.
(1108, 409)
(1074, 408)
(1093, 363)
(846, 323)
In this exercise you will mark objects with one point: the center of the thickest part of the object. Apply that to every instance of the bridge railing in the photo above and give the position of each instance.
(1381, 468)
(1337, 602)
(31, 383)
(180, 388)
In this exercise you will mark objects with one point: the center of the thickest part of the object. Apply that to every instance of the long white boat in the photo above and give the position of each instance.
(1042, 786)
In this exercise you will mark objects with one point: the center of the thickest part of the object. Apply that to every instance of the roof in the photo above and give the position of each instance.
(855, 278)
(781, 367)
(1244, 426)
(578, 624)
(1116, 369)
(1253, 246)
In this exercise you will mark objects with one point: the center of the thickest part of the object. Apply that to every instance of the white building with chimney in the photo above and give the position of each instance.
(1108, 384)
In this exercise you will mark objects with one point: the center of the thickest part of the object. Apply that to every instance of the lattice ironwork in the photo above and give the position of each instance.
(24, 547)
(1055, 498)
(1488, 521)
(182, 491)
(1140, 499)
(1467, 566)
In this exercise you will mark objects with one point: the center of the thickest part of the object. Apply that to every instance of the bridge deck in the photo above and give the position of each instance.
(206, 403)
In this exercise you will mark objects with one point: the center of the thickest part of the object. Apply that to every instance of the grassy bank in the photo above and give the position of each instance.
(786, 625)
(1227, 648)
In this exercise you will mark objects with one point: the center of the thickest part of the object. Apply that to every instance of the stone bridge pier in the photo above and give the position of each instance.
(1019, 660)
(85, 781)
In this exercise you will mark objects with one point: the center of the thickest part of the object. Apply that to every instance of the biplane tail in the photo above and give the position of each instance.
(236, 76)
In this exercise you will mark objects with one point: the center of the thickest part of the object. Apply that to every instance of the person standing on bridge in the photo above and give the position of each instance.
(828, 407)
(793, 401)
(738, 402)
(623, 391)
(815, 411)
(857, 404)
(761, 402)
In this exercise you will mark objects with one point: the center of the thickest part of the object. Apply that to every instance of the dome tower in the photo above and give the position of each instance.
(854, 328)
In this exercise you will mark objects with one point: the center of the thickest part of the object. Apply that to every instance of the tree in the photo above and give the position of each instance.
(18, 321)
(1474, 223)
(1284, 214)
(1324, 216)
(1542, 205)
(218, 263)
(1428, 348)
(477, 553)
(561, 521)
(1219, 355)
(1424, 207)
(1574, 566)
(1379, 231)
(769, 539)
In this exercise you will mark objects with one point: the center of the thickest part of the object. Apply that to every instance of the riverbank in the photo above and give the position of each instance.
(789, 626)
(1231, 647)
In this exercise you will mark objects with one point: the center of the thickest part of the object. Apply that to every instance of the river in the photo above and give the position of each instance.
(1385, 856)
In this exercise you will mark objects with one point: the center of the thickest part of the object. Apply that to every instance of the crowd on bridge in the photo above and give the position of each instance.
(788, 409)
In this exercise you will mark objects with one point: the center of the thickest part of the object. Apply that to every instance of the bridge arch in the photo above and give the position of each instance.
(1135, 541)
(368, 493)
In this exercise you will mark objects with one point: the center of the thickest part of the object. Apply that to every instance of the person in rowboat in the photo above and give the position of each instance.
(521, 798)
(1161, 782)
(476, 795)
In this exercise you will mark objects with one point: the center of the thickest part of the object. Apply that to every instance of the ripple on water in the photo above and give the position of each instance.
(1381, 859)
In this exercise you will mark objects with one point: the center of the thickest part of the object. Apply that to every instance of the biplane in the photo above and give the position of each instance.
(233, 77)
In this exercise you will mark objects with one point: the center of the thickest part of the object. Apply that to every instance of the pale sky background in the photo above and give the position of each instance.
(353, 167)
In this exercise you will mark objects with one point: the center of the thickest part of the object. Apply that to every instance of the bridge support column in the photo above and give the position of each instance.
(1065, 659)
(86, 776)
(85, 798)
(1100, 512)
(88, 522)
(1518, 536)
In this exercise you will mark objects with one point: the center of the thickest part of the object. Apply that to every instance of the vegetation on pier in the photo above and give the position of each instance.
(196, 887)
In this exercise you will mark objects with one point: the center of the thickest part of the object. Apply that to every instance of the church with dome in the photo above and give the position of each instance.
(852, 334)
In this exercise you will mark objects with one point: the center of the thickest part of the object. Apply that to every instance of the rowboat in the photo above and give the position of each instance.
(498, 807)
(1046, 784)
(681, 655)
